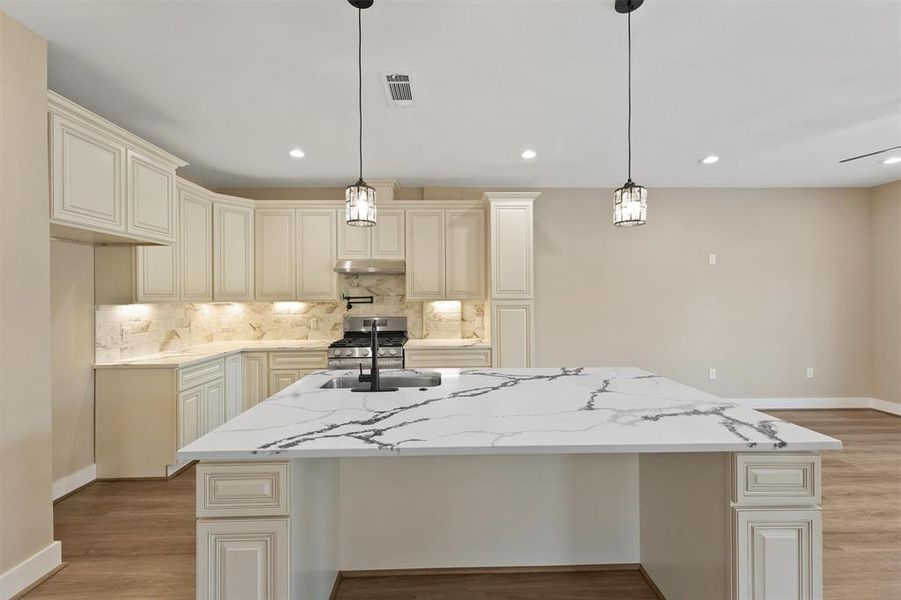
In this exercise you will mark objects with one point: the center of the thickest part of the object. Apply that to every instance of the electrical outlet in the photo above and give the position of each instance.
(711, 374)
(809, 372)
(711, 259)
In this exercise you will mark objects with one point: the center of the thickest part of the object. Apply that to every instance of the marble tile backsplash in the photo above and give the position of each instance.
(126, 331)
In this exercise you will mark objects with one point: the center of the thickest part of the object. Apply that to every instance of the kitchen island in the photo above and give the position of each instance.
(509, 467)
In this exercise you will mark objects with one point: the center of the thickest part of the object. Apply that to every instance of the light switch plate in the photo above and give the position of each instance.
(809, 372)
(711, 259)
(711, 374)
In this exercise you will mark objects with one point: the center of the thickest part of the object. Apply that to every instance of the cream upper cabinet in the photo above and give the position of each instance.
(156, 274)
(425, 254)
(384, 241)
(316, 254)
(465, 277)
(511, 250)
(106, 180)
(87, 184)
(151, 197)
(276, 258)
(233, 262)
(195, 245)
(388, 235)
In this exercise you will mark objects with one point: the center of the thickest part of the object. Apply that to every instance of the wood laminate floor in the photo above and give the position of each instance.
(128, 540)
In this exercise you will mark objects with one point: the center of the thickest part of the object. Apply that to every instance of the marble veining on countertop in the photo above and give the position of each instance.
(194, 354)
(446, 343)
(501, 411)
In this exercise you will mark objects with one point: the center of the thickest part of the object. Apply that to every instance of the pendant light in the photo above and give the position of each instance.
(630, 202)
(360, 197)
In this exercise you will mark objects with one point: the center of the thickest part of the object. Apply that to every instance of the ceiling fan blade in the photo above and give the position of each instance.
(870, 154)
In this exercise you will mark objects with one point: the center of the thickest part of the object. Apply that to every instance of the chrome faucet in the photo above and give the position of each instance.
(373, 377)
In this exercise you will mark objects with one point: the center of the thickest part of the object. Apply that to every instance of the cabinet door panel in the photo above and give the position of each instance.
(234, 386)
(151, 197)
(189, 415)
(388, 235)
(256, 378)
(425, 254)
(276, 254)
(232, 252)
(279, 379)
(195, 246)
(512, 324)
(243, 559)
(316, 250)
(156, 273)
(213, 405)
(353, 242)
(511, 251)
(465, 254)
(87, 182)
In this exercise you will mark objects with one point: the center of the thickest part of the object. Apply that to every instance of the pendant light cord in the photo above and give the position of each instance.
(629, 135)
(360, 81)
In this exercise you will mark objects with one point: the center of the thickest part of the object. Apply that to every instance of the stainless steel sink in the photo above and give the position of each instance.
(399, 381)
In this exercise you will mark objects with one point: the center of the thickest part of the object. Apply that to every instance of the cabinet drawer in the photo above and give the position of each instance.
(437, 358)
(298, 360)
(774, 479)
(194, 375)
(244, 490)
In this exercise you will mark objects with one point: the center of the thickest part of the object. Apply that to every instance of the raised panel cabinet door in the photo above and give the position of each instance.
(232, 252)
(151, 197)
(156, 274)
(279, 379)
(389, 234)
(87, 184)
(234, 386)
(276, 254)
(189, 415)
(243, 559)
(353, 242)
(512, 334)
(465, 254)
(256, 378)
(779, 554)
(195, 246)
(511, 250)
(213, 405)
(425, 254)
(316, 251)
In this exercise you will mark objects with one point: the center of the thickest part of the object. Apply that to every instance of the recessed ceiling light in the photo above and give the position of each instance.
(296, 153)
(529, 154)
(892, 160)
(709, 160)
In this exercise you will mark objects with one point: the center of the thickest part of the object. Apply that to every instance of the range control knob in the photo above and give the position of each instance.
(381, 352)
(365, 351)
(393, 351)
(347, 352)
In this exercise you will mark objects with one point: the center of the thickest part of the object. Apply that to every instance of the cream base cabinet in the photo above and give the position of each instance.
(243, 559)
(190, 415)
(256, 378)
(512, 333)
(425, 254)
(279, 379)
(234, 386)
(316, 254)
(213, 405)
(233, 248)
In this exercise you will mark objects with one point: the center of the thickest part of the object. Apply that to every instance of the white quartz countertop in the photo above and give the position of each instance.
(195, 354)
(434, 343)
(501, 411)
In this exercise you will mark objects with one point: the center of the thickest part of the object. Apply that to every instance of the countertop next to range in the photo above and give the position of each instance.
(196, 354)
(501, 411)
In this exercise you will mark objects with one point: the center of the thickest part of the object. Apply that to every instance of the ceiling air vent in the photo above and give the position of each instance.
(399, 89)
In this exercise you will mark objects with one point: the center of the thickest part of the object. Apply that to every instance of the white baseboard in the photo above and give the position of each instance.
(72, 482)
(30, 570)
(885, 406)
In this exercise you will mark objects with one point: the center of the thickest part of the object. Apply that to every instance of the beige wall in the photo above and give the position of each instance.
(26, 519)
(791, 288)
(72, 356)
(886, 260)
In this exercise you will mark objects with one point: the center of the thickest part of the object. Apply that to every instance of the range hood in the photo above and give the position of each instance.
(370, 267)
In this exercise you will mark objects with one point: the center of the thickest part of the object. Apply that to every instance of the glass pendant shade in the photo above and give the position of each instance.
(630, 205)
(360, 204)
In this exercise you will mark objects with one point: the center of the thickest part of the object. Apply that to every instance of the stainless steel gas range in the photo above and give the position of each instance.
(353, 351)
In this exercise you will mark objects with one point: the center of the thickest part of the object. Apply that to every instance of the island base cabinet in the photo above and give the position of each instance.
(243, 559)
(778, 554)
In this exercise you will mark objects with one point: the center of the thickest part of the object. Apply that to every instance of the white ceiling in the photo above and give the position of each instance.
(780, 90)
